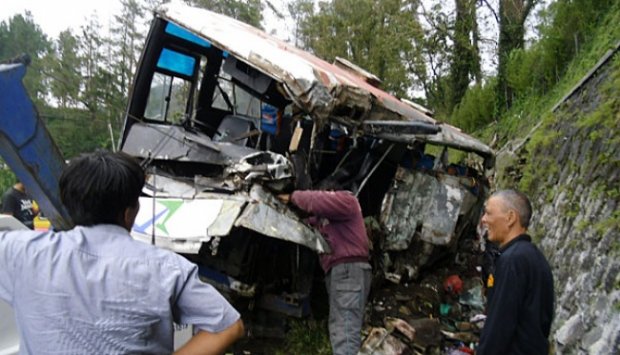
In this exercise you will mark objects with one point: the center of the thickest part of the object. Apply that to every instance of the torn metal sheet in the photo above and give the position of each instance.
(402, 326)
(325, 91)
(182, 225)
(163, 186)
(420, 200)
(262, 165)
(267, 216)
(368, 77)
(373, 341)
(169, 142)
(381, 342)
(201, 187)
(181, 246)
(398, 128)
(453, 137)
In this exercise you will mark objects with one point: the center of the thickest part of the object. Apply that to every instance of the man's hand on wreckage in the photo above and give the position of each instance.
(284, 198)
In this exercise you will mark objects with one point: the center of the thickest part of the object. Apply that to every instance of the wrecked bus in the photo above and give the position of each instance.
(224, 117)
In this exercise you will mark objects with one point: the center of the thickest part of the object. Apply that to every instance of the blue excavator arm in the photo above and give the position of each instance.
(27, 146)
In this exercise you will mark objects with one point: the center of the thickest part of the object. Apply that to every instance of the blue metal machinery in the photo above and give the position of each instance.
(27, 147)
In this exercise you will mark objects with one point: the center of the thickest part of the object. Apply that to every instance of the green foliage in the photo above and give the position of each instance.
(300, 11)
(375, 35)
(605, 118)
(465, 58)
(511, 15)
(74, 132)
(610, 223)
(526, 70)
(64, 64)
(19, 35)
(536, 99)
(438, 93)
(126, 42)
(572, 244)
(539, 174)
(432, 72)
(537, 235)
(597, 126)
(7, 178)
(476, 109)
(307, 337)
(582, 225)
(98, 83)
(573, 36)
(568, 27)
(544, 137)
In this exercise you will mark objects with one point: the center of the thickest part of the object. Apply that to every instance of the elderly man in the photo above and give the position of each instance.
(95, 290)
(520, 288)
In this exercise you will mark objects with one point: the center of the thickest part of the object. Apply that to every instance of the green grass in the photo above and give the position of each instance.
(528, 111)
(307, 337)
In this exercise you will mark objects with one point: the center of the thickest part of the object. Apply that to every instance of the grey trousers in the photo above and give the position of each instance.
(348, 285)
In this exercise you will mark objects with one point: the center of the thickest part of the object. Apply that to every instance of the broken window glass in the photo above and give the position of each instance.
(167, 98)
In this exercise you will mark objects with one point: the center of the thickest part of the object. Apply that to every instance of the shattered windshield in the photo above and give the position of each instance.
(233, 98)
(167, 98)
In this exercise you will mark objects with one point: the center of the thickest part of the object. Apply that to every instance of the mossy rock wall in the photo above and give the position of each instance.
(570, 167)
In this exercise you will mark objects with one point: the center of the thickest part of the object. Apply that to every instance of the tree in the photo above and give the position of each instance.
(151, 5)
(300, 11)
(64, 64)
(511, 19)
(377, 35)
(433, 72)
(127, 40)
(21, 35)
(126, 45)
(248, 11)
(94, 85)
(565, 28)
(465, 57)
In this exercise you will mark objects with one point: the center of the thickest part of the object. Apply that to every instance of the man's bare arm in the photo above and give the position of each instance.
(206, 343)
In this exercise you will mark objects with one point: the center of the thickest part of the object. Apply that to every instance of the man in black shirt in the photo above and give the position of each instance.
(18, 204)
(520, 297)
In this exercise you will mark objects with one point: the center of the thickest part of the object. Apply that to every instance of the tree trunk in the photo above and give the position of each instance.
(512, 16)
(465, 63)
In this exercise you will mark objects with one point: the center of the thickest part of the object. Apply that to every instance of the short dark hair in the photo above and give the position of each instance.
(517, 201)
(97, 187)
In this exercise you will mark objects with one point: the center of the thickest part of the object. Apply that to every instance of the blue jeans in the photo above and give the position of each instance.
(348, 285)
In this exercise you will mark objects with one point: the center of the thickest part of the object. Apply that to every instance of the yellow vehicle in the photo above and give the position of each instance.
(40, 222)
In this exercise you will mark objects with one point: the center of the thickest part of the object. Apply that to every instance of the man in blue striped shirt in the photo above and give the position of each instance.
(95, 290)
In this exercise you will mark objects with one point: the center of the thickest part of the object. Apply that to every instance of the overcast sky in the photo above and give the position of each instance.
(54, 16)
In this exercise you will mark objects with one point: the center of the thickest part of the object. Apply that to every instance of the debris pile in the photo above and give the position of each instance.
(441, 312)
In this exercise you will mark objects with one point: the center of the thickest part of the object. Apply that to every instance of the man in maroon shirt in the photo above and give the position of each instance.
(338, 216)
